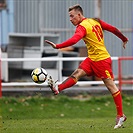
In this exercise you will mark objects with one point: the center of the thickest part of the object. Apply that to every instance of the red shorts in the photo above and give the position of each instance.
(101, 69)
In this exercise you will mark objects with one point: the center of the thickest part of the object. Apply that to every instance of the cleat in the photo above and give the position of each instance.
(119, 121)
(53, 86)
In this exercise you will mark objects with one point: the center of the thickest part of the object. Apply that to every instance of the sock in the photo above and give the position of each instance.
(118, 102)
(70, 81)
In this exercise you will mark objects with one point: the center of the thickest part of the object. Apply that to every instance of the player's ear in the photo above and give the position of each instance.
(79, 14)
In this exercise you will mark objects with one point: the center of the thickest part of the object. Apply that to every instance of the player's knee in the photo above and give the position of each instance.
(110, 85)
(77, 74)
(74, 76)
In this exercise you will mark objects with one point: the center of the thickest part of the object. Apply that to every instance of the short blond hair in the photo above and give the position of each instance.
(76, 7)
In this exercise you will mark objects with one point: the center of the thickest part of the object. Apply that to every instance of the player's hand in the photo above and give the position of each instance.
(51, 43)
(124, 44)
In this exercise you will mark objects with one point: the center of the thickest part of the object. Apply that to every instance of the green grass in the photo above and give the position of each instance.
(100, 125)
(63, 114)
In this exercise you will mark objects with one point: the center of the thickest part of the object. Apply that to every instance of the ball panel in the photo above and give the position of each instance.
(37, 71)
(44, 71)
(41, 77)
(34, 77)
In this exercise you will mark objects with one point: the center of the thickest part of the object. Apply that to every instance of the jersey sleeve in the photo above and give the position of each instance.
(78, 35)
(114, 30)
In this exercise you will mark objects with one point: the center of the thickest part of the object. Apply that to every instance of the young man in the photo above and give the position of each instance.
(98, 62)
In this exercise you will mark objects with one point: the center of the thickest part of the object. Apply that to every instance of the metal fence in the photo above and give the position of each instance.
(59, 68)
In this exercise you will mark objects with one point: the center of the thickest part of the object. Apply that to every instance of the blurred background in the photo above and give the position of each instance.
(25, 24)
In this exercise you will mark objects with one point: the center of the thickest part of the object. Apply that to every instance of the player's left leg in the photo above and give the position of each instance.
(103, 69)
(117, 100)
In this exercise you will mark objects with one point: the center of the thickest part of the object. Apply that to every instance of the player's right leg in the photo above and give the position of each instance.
(83, 70)
(69, 82)
(53, 85)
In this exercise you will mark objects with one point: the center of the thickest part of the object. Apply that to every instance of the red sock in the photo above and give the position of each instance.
(118, 102)
(70, 81)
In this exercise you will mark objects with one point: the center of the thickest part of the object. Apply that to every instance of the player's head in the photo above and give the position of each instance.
(76, 7)
(75, 14)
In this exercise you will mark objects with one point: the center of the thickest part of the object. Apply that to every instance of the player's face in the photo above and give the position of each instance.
(75, 17)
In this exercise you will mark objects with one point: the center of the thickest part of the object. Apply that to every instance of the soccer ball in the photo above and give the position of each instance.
(39, 75)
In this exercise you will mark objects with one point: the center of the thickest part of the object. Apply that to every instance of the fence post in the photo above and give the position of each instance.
(119, 73)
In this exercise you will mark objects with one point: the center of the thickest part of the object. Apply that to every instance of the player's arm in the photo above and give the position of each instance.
(114, 30)
(78, 35)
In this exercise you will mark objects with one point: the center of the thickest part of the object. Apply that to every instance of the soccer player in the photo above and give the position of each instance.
(98, 62)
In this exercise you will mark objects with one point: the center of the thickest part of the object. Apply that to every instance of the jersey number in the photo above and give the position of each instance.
(97, 30)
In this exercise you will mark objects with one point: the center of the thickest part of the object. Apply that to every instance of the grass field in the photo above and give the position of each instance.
(63, 114)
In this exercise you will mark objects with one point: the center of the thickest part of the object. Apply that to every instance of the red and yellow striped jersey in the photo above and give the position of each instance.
(91, 31)
(94, 40)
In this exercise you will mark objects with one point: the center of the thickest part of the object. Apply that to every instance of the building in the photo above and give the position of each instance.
(48, 16)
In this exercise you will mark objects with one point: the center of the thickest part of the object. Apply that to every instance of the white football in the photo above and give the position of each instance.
(39, 75)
